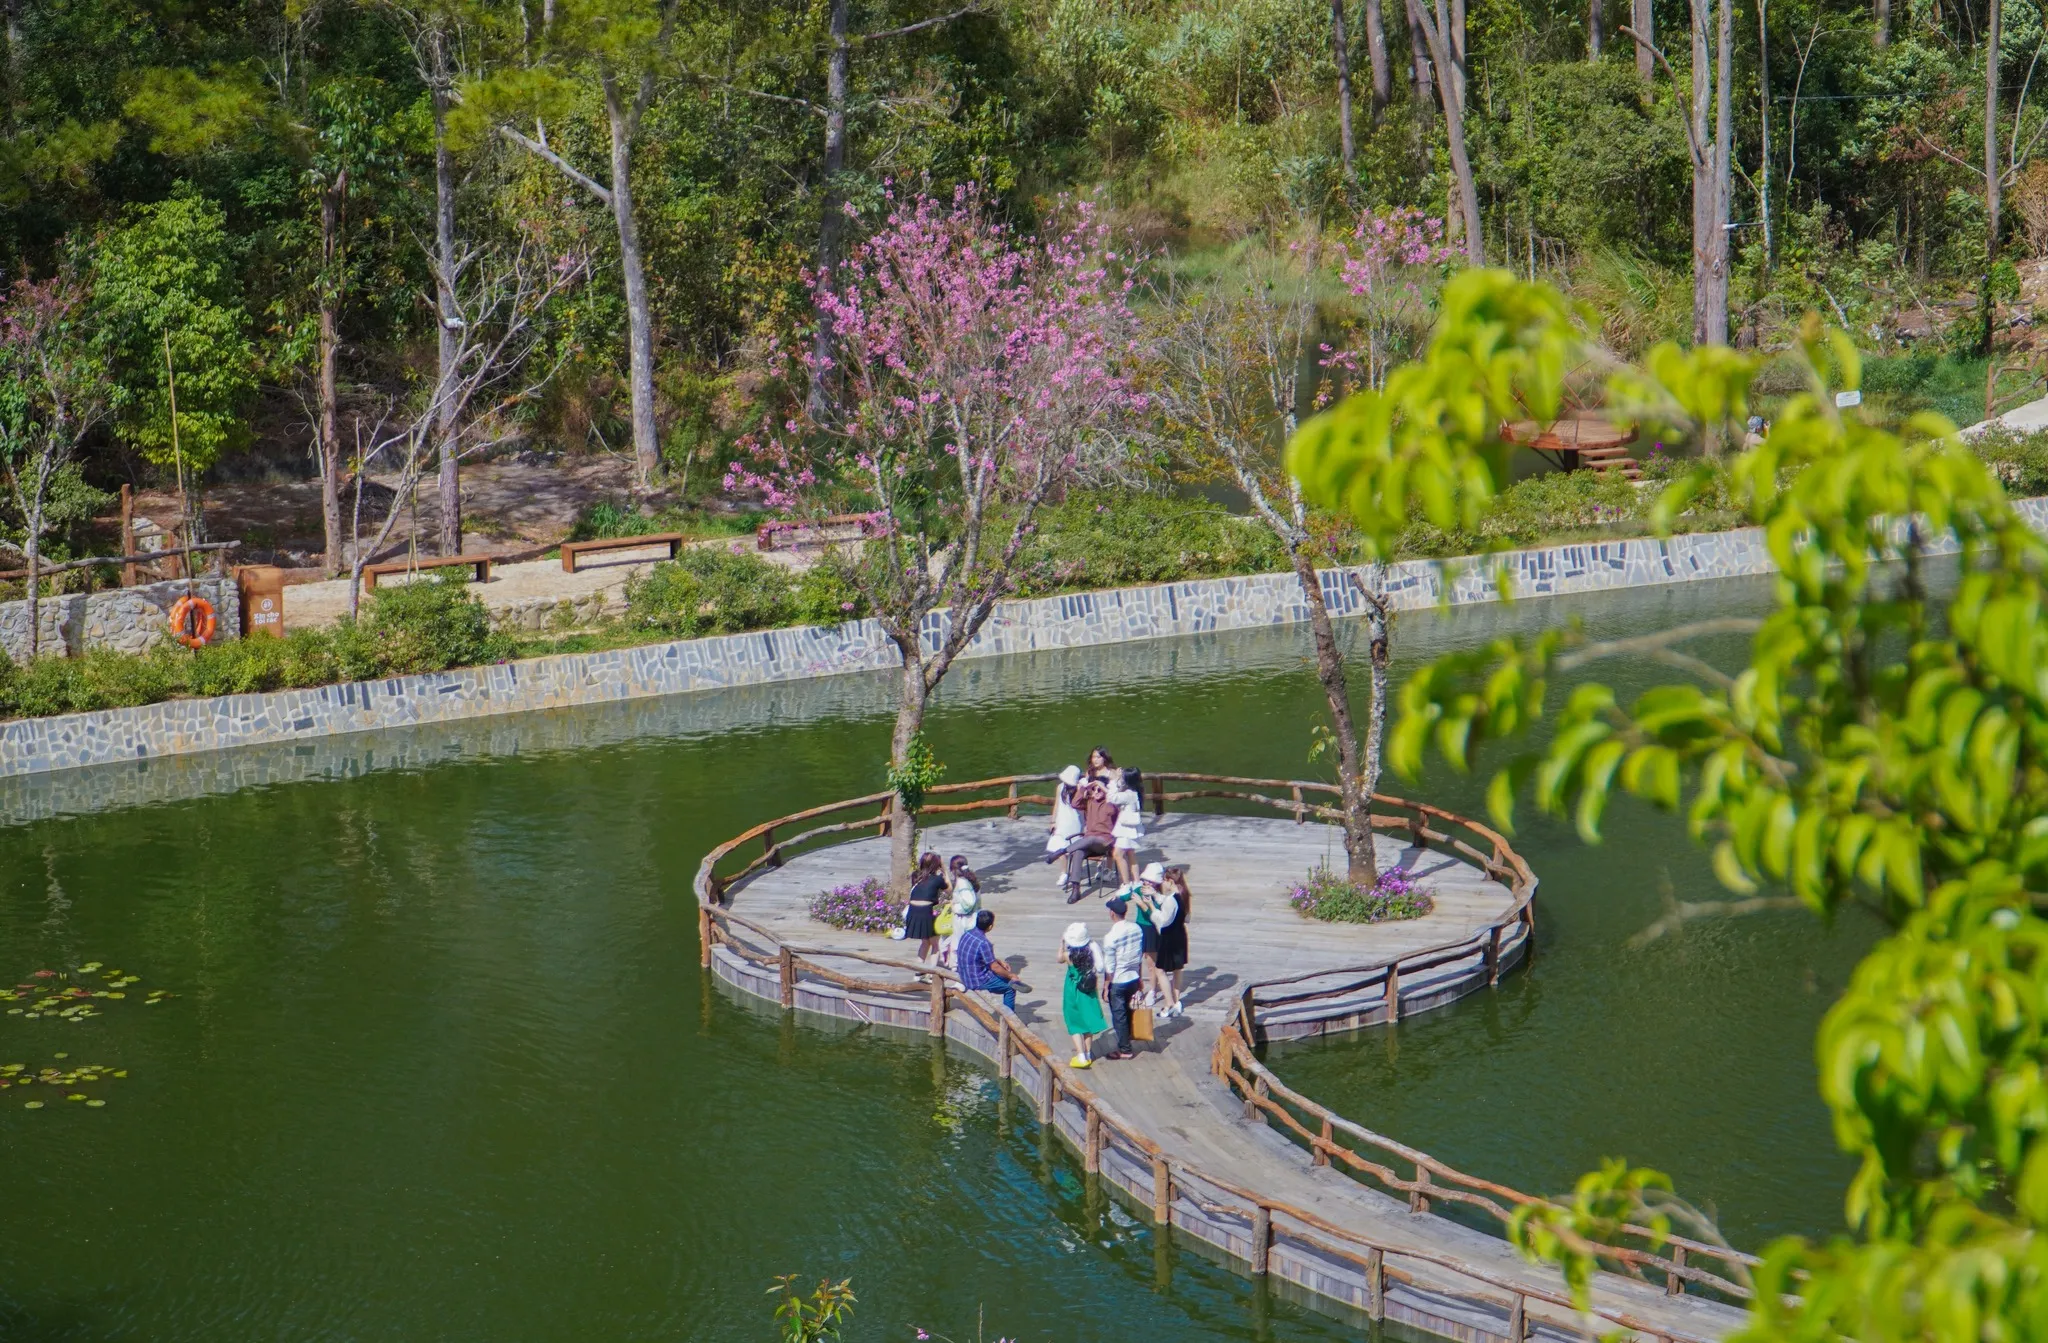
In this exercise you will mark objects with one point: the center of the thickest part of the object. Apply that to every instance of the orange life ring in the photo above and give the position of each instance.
(192, 621)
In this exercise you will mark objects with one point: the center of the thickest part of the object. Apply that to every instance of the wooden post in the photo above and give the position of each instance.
(1322, 1148)
(768, 847)
(1493, 956)
(1092, 1153)
(1013, 801)
(788, 979)
(1005, 1069)
(1158, 796)
(127, 533)
(1048, 1095)
(1417, 1200)
(1262, 1240)
(882, 821)
(1518, 1319)
(938, 1023)
(1393, 994)
(1376, 1285)
(1162, 1192)
(704, 936)
(1251, 1098)
(1673, 1284)
(1299, 817)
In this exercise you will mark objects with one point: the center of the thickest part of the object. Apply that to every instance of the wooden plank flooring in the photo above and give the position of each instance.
(1242, 930)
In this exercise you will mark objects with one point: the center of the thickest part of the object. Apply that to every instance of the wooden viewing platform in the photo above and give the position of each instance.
(1196, 1130)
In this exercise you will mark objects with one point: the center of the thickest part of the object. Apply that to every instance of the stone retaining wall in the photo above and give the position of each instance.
(128, 620)
(36, 745)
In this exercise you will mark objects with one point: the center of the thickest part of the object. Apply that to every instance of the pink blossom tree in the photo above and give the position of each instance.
(981, 370)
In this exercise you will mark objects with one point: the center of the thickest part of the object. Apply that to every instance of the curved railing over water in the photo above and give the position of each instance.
(1099, 1133)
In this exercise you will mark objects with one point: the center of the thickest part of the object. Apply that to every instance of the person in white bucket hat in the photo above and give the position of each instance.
(1066, 818)
(1157, 910)
(1081, 997)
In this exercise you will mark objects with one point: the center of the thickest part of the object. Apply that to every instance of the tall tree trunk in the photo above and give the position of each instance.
(1643, 20)
(1340, 43)
(330, 346)
(448, 481)
(17, 60)
(1724, 166)
(1882, 34)
(912, 700)
(1703, 177)
(838, 74)
(1596, 24)
(1380, 656)
(1763, 83)
(1450, 92)
(1454, 35)
(1993, 187)
(34, 551)
(1376, 54)
(625, 127)
(1424, 78)
(1363, 867)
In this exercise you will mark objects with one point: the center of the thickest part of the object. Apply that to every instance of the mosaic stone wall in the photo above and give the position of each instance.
(130, 620)
(34, 746)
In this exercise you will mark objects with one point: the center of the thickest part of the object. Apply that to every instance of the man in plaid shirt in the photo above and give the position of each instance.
(979, 968)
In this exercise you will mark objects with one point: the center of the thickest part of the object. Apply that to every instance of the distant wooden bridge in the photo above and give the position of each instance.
(1196, 1130)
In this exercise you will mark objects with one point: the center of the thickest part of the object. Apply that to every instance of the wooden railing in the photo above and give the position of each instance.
(1371, 1157)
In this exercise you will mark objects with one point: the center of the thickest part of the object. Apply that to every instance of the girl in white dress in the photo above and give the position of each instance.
(1130, 823)
(1066, 818)
(966, 902)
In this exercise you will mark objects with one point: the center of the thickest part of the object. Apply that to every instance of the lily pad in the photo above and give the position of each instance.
(31, 1105)
(95, 1104)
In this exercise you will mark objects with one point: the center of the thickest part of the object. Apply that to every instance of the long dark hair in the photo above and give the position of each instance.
(1082, 958)
(1108, 760)
(958, 868)
(931, 864)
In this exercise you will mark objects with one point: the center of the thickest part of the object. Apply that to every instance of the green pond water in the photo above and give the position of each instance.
(441, 1064)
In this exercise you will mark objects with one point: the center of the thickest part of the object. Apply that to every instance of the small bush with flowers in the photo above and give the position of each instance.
(861, 907)
(1327, 896)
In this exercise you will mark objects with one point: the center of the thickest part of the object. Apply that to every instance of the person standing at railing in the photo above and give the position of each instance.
(1123, 954)
(1081, 997)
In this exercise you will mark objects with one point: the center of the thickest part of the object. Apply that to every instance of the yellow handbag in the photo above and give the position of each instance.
(943, 924)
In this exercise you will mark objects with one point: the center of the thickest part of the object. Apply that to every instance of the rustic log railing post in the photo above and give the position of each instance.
(1673, 1284)
(1299, 817)
(1253, 1096)
(1158, 795)
(788, 978)
(938, 1012)
(1162, 1192)
(1417, 1200)
(1393, 993)
(1329, 1140)
(1092, 1153)
(768, 846)
(1049, 1094)
(1013, 799)
(1004, 1068)
(1262, 1240)
(704, 936)
(1376, 1285)
(1493, 956)
(1518, 1319)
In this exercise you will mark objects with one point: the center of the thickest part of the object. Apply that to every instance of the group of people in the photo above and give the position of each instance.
(1137, 964)
(1096, 814)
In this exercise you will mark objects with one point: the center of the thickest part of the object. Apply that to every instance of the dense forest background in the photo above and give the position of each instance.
(277, 211)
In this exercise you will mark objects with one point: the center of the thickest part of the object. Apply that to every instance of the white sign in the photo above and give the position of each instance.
(1844, 400)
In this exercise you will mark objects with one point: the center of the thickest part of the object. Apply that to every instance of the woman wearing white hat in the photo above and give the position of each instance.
(1158, 910)
(1066, 818)
(1081, 999)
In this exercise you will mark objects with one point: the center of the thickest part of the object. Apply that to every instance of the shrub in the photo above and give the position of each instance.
(2020, 461)
(825, 595)
(1110, 540)
(431, 624)
(710, 591)
(1333, 899)
(864, 906)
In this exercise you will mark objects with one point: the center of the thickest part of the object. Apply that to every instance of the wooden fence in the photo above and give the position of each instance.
(1180, 1193)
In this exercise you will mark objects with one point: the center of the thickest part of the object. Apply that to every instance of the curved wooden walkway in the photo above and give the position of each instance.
(1169, 1128)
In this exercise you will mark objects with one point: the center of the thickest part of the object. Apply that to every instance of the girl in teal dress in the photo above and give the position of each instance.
(1081, 999)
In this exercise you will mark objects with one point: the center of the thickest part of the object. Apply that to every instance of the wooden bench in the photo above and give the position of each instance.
(803, 533)
(574, 550)
(480, 563)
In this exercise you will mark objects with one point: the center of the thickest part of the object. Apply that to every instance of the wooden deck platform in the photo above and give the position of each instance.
(1242, 931)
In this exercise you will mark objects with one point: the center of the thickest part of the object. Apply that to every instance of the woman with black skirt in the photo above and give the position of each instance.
(925, 894)
(1173, 939)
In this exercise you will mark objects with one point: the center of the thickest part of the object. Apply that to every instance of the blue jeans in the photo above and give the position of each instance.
(1120, 996)
(1007, 988)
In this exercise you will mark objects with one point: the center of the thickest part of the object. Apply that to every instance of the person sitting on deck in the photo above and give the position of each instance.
(1096, 840)
(979, 968)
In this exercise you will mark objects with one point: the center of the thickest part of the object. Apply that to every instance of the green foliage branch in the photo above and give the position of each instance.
(1884, 745)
